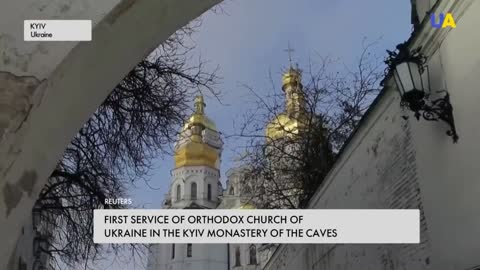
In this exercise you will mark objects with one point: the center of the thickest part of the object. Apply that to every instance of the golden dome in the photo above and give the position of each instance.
(283, 126)
(199, 117)
(289, 123)
(200, 120)
(291, 77)
(193, 150)
(196, 154)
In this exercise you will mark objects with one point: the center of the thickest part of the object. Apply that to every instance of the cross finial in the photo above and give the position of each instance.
(289, 50)
(199, 104)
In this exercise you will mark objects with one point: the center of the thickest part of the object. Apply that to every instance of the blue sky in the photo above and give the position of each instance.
(249, 42)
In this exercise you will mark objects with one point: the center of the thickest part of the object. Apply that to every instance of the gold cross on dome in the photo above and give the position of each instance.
(199, 104)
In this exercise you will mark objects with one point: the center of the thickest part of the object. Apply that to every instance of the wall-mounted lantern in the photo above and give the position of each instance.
(412, 79)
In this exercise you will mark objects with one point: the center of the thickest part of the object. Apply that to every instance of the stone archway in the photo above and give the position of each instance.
(49, 89)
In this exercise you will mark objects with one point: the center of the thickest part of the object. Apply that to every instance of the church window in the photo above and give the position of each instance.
(237, 257)
(193, 191)
(173, 251)
(179, 192)
(189, 250)
(209, 192)
(253, 254)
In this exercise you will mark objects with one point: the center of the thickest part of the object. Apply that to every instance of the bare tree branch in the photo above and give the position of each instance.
(137, 122)
(285, 172)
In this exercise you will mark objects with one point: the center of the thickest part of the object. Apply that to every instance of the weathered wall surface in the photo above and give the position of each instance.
(24, 253)
(24, 65)
(14, 100)
(49, 89)
(449, 173)
(39, 59)
(203, 257)
(377, 170)
(380, 172)
(397, 163)
(423, 7)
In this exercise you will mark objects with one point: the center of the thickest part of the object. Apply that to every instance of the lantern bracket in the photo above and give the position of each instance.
(435, 110)
(421, 104)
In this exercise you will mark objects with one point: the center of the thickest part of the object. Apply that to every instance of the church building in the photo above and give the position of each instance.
(195, 184)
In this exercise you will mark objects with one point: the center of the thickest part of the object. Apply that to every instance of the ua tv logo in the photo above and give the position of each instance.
(444, 21)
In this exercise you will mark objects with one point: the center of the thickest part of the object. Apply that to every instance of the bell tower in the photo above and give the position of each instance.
(292, 120)
(196, 177)
(195, 184)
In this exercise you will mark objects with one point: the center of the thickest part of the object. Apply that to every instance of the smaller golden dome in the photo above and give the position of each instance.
(291, 77)
(199, 117)
(193, 151)
(283, 126)
(290, 122)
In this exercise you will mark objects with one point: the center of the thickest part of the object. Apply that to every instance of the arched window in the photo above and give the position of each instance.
(237, 257)
(189, 250)
(173, 251)
(193, 191)
(179, 193)
(252, 254)
(209, 192)
(232, 191)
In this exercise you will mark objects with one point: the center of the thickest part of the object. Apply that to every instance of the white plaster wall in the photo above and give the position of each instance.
(449, 173)
(202, 176)
(39, 59)
(204, 257)
(24, 247)
(376, 170)
(74, 83)
(235, 200)
(244, 257)
(393, 163)
(423, 6)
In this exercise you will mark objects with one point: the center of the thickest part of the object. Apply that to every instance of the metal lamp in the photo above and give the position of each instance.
(412, 79)
(408, 78)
